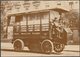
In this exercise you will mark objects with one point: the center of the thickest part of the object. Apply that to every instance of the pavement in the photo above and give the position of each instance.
(73, 48)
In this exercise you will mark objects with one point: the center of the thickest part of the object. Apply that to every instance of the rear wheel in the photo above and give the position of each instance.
(47, 46)
(59, 47)
(18, 45)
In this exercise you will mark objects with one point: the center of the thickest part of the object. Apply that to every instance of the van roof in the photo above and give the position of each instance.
(58, 9)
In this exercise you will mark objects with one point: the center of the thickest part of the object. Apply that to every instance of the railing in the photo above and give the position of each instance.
(34, 27)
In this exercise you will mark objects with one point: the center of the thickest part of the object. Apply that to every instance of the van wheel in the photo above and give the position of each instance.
(59, 47)
(47, 46)
(18, 45)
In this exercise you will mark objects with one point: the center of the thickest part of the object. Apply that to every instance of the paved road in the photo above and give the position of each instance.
(7, 50)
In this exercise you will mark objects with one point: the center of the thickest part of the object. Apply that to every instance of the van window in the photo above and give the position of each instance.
(11, 20)
(18, 19)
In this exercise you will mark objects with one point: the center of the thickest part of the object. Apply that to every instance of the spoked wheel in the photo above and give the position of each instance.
(47, 46)
(58, 47)
(18, 45)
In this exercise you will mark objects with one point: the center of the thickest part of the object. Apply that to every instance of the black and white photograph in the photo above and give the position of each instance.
(40, 28)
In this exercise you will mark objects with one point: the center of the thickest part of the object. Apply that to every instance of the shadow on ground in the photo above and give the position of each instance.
(12, 50)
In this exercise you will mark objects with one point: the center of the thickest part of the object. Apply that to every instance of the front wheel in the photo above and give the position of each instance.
(59, 47)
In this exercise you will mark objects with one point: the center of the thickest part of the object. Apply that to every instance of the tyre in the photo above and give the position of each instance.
(59, 47)
(18, 45)
(47, 46)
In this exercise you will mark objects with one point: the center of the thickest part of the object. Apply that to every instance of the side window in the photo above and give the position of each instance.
(42, 18)
(45, 18)
(17, 19)
(20, 23)
(23, 21)
(37, 19)
(30, 19)
(12, 20)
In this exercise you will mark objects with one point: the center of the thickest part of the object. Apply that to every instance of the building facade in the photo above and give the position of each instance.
(17, 7)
